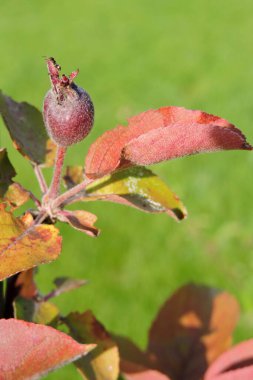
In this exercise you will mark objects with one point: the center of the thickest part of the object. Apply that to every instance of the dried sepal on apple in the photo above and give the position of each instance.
(68, 110)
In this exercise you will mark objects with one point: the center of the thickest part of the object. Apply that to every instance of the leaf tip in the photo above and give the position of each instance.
(179, 214)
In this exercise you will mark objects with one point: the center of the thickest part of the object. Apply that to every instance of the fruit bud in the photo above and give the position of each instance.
(68, 111)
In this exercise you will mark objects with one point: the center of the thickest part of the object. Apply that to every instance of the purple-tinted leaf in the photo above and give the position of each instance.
(130, 353)
(134, 363)
(11, 193)
(29, 351)
(103, 362)
(191, 330)
(26, 127)
(7, 171)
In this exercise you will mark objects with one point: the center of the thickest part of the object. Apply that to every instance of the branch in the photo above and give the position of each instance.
(55, 184)
(63, 198)
(40, 177)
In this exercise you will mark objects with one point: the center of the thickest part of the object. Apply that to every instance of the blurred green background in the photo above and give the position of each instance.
(132, 56)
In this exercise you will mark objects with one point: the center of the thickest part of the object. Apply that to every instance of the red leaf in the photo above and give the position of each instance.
(80, 220)
(104, 154)
(177, 141)
(145, 374)
(240, 374)
(7, 171)
(29, 350)
(11, 193)
(235, 364)
(159, 135)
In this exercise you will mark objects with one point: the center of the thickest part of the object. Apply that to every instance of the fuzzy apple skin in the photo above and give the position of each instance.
(68, 115)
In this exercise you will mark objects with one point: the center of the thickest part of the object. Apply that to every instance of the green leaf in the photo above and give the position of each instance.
(24, 245)
(136, 187)
(140, 188)
(26, 127)
(103, 362)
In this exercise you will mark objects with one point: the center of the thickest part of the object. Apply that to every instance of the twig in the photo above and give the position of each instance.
(40, 178)
(71, 192)
(35, 199)
(55, 184)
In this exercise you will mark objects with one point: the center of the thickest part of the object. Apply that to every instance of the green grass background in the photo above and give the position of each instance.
(136, 55)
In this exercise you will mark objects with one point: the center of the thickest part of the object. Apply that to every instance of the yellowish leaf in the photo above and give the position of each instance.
(23, 247)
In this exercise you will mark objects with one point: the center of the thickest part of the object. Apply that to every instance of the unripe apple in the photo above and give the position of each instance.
(68, 111)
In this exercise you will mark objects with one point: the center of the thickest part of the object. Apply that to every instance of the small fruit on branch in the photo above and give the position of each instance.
(68, 111)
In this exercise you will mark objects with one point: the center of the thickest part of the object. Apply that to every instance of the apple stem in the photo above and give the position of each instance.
(55, 184)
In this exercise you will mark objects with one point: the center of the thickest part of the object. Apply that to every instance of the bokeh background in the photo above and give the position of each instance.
(135, 55)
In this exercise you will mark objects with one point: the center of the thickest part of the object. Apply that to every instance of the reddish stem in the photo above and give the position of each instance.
(40, 178)
(55, 184)
(35, 199)
(70, 193)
